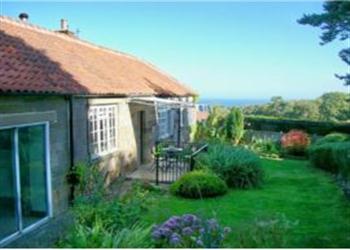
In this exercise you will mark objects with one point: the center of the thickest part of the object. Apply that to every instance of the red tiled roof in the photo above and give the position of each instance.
(33, 59)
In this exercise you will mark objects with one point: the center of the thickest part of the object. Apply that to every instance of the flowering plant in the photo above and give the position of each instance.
(295, 142)
(189, 231)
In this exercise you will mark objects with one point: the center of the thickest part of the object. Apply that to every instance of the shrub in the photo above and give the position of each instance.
(295, 142)
(199, 184)
(333, 137)
(333, 157)
(341, 157)
(189, 231)
(238, 167)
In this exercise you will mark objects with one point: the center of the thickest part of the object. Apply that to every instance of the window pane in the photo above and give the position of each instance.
(8, 222)
(31, 143)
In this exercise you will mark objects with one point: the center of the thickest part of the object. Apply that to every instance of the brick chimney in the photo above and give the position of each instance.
(64, 25)
(64, 29)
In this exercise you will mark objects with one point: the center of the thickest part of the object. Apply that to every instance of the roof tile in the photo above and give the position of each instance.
(33, 59)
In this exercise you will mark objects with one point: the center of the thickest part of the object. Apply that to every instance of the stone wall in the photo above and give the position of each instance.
(17, 110)
(125, 158)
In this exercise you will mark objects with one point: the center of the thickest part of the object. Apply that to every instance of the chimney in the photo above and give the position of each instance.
(23, 17)
(64, 25)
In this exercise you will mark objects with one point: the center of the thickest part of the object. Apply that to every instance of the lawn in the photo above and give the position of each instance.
(303, 194)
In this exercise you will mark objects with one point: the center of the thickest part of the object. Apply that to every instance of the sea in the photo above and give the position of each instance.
(231, 102)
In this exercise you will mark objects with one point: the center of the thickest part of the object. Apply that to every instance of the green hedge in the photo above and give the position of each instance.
(333, 157)
(284, 125)
(333, 137)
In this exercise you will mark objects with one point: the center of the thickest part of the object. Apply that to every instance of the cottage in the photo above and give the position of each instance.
(63, 101)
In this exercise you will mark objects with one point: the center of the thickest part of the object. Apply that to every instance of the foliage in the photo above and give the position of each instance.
(333, 137)
(301, 193)
(222, 124)
(332, 106)
(101, 222)
(295, 142)
(321, 156)
(82, 236)
(238, 167)
(88, 182)
(333, 157)
(267, 233)
(335, 23)
(189, 231)
(234, 126)
(199, 184)
(264, 147)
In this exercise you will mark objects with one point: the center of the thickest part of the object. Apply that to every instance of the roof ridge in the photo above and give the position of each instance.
(89, 44)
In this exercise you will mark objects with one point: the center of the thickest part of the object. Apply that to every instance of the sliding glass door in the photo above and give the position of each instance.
(8, 218)
(24, 194)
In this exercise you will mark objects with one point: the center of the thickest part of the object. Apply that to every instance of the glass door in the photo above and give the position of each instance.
(31, 150)
(8, 204)
(24, 195)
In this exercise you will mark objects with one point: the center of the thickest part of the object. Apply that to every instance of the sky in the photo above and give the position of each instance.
(235, 50)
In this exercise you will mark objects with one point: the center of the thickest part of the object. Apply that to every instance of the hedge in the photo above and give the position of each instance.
(285, 125)
(333, 157)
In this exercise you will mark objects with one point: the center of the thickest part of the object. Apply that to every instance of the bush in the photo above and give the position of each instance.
(238, 167)
(295, 142)
(333, 137)
(189, 231)
(199, 184)
(333, 157)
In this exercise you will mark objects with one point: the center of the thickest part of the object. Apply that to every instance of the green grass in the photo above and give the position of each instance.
(293, 188)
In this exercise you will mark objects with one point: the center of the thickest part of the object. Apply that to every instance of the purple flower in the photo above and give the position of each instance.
(199, 243)
(188, 219)
(213, 224)
(172, 223)
(156, 234)
(175, 239)
(187, 231)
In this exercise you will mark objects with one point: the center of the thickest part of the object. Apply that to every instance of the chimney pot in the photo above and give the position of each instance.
(23, 17)
(64, 25)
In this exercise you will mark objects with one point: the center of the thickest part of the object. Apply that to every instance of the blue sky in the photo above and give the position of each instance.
(223, 50)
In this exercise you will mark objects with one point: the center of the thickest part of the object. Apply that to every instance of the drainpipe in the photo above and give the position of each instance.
(179, 127)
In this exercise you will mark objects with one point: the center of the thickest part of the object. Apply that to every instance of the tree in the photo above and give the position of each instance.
(335, 23)
(234, 126)
(334, 107)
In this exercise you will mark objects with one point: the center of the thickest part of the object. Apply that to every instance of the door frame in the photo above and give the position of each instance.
(16, 168)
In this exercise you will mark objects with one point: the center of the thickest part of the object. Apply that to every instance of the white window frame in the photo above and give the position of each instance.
(100, 142)
(42, 221)
(165, 122)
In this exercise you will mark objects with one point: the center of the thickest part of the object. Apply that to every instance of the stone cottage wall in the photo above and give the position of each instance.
(125, 158)
(16, 110)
